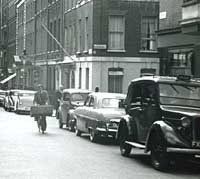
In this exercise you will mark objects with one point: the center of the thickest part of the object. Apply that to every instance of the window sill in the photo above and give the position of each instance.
(117, 51)
(148, 51)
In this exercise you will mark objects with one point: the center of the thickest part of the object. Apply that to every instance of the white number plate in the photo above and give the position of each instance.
(195, 144)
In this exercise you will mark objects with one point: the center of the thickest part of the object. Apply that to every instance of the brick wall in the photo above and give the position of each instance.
(173, 9)
(133, 11)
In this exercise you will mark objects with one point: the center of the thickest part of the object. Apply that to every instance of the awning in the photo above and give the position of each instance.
(67, 60)
(8, 78)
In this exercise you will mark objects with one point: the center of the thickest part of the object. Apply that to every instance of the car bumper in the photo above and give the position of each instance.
(106, 132)
(25, 109)
(183, 150)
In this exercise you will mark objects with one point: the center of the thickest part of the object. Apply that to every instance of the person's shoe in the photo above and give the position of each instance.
(43, 132)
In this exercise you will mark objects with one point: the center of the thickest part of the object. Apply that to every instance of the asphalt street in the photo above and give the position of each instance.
(59, 154)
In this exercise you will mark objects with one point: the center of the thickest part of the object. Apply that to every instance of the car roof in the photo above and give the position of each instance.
(26, 91)
(107, 95)
(74, 90)
(166, 79)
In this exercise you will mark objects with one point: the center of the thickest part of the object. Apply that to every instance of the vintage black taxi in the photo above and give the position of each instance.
(163, 118)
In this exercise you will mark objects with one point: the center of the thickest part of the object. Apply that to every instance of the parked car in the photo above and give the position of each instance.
(10, 98)
(2, 97)
(24, 101)
(100, 115)
(71, 98)
(163, 118)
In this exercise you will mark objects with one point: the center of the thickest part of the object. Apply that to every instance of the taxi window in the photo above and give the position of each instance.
(66, 96)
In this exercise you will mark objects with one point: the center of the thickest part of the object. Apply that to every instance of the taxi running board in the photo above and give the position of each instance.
(136, 145)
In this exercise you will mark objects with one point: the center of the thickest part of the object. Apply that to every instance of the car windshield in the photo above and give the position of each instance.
(110, 103)
(180, 94)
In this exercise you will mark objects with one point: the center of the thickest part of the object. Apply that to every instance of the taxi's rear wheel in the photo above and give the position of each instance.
(159, 157)
(125, 148)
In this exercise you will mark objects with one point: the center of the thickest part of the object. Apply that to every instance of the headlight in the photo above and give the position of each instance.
(185, 122)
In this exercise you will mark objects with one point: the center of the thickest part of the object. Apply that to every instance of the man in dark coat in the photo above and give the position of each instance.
(41, 98)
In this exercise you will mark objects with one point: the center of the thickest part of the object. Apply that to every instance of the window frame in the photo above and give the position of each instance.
(117, 49)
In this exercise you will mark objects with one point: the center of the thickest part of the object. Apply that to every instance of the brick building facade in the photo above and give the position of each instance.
(178, 37)
(110, 42)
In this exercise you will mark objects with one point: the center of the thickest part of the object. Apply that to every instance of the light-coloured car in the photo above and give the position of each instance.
(71, 98)
(24, 101)
(100, 115)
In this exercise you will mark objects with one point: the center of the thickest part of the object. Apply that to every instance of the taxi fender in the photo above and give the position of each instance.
(168, 134)
(125, 121)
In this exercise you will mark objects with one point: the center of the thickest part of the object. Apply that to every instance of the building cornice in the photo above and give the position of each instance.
(169, 31)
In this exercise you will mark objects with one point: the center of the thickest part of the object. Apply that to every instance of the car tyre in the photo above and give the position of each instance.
(159, 158)
(77, 131)
(71, 127)
(60, 124)
(93, 136)
(17, 110)
(125, 148)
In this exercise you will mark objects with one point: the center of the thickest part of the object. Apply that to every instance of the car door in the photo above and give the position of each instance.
(149, 109)
(82, 118)
(134, 109)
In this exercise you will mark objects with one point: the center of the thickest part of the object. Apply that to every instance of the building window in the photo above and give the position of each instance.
(115, 80)
(116, 32)
(66, 39)
(80, 77)
(72, 79)
(87, 78)
(148, 34)
(50, 38)
(181, 62)
(55, 35)
(86, 34)
(59, 30)
(79, 36)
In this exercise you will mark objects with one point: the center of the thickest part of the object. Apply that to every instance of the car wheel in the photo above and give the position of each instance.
(125, 148)
(71, 127)
(93, 136)
(159, 157)
(77, 131)
(60, 124)
(17, 110)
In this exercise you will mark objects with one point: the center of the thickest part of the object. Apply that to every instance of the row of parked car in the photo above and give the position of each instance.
(159, 115)
(17, 100)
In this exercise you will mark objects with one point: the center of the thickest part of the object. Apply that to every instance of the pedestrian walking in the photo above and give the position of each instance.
(58, 98)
